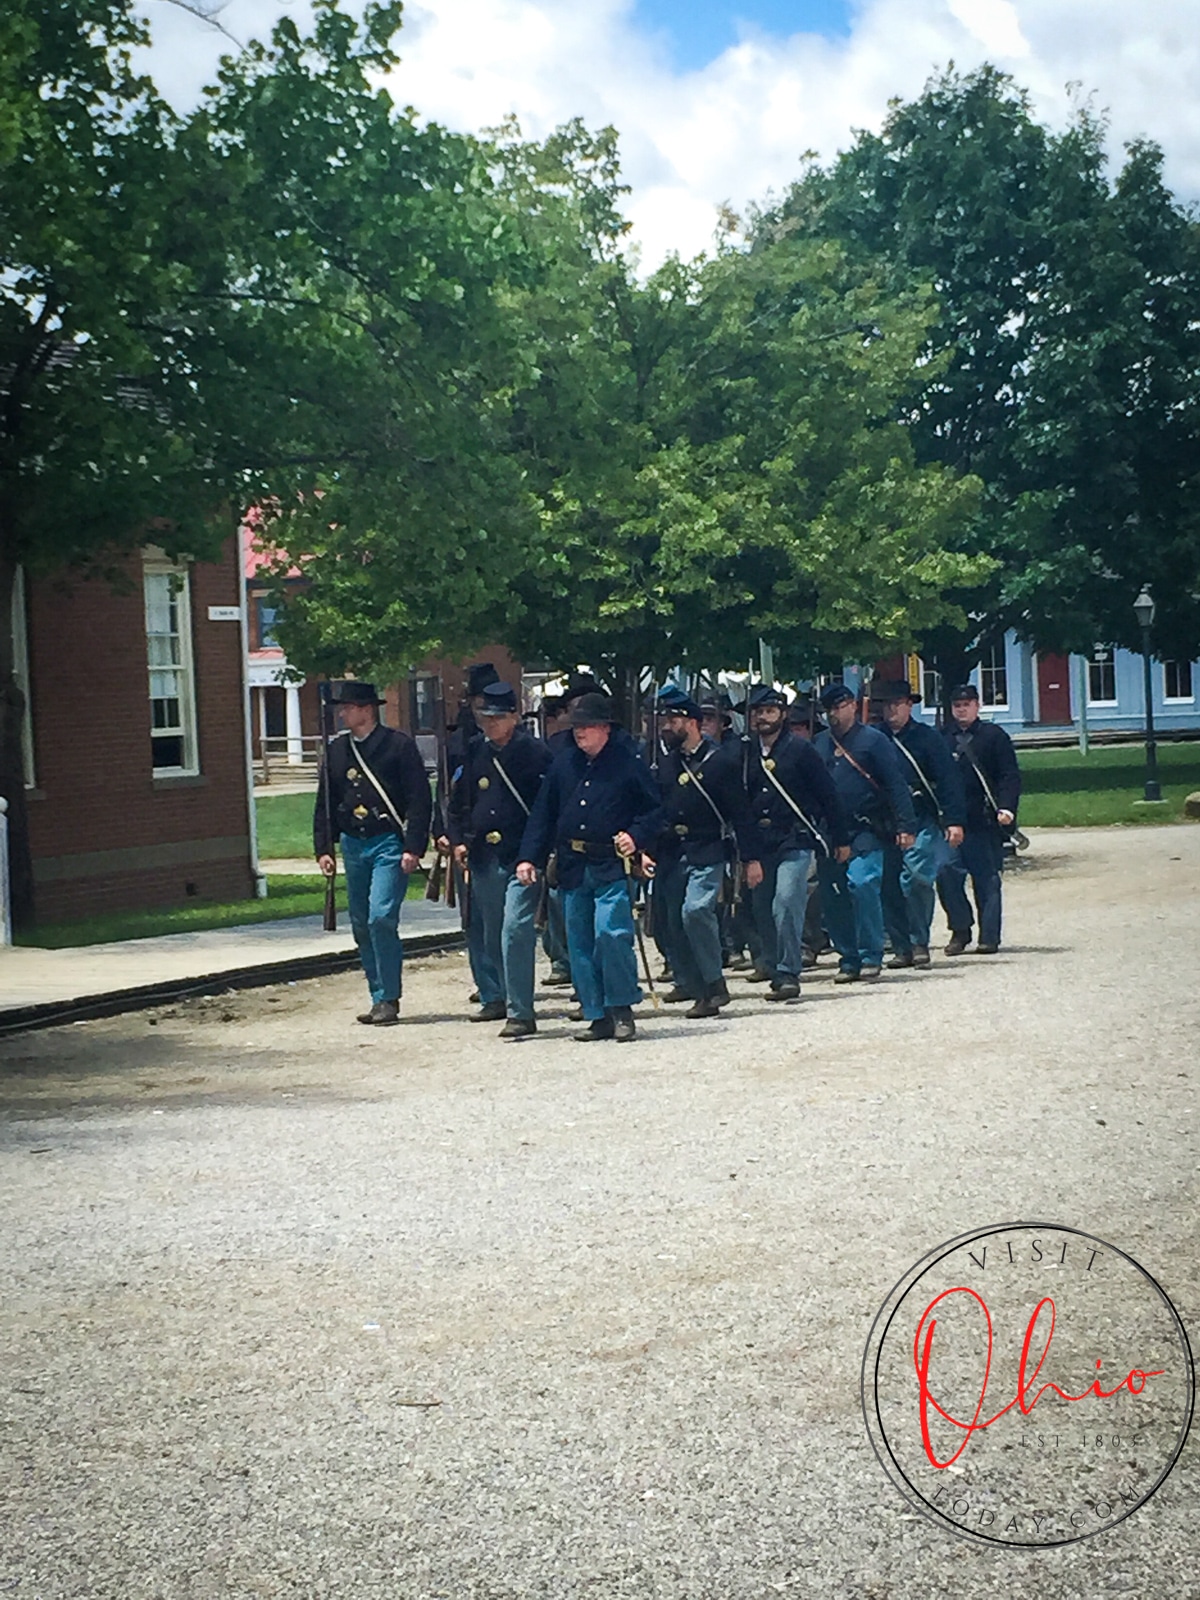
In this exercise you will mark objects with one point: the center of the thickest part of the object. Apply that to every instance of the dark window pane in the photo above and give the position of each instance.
(167, 750)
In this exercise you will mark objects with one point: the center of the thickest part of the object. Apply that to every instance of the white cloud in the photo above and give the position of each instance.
(737, 128)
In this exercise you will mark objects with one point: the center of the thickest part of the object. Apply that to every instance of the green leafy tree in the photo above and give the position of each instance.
(288, 299)
(716, 453)
(1067, 311)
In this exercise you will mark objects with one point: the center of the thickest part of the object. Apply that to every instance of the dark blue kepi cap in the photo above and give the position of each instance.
(498, 700)
(765, 694)
(678, 705)
(835, 694)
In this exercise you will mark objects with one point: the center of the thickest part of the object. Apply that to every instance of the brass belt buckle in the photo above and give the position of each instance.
(579, 846)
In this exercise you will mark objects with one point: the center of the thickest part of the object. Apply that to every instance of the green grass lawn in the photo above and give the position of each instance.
(288, 897)
(285, 826)
(1063, 789)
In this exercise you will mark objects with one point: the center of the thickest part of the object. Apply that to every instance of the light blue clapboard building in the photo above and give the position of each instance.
(1028, 691)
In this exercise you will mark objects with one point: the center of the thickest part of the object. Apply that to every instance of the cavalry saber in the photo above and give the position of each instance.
(637, 930)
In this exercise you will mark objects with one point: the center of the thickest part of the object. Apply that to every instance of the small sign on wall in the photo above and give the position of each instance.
(224, 614)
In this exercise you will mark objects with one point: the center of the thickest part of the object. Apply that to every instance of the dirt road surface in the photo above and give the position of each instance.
(292, 1307)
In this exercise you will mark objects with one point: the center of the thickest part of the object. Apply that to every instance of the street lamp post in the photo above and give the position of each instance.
(1143, 609)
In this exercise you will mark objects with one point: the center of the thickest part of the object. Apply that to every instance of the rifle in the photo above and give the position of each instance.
(330, 914)
(433, 889)
(443, 869)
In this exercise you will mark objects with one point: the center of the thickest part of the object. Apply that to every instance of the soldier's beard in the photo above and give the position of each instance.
(672, 738)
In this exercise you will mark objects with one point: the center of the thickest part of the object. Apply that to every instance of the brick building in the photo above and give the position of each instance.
(135, 749)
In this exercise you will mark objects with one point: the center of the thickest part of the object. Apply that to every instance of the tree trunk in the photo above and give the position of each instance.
(12, 760)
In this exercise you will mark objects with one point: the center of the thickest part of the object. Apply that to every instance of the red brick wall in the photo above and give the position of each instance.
(91, 726)
(454, 677)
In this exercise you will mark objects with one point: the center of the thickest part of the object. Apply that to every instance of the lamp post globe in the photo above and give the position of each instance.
(1143, 610)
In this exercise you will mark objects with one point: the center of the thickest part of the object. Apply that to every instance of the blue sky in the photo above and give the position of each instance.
(700, 29)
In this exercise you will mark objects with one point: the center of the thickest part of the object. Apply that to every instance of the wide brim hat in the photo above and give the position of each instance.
(479, 675)
(580, 683)
(894, 689)
(354, 692)
(592, 709)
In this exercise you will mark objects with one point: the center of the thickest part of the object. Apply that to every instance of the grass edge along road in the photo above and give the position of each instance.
(288, 896)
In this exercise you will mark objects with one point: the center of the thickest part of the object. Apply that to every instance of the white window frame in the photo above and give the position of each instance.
(1111, 663)
(184, 668)
(984, 668)
(1179, 699)
(20, 658)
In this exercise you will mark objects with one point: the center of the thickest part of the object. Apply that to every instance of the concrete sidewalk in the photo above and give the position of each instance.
(40, 987)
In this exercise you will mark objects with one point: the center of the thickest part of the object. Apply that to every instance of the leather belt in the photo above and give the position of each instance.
(595, 848)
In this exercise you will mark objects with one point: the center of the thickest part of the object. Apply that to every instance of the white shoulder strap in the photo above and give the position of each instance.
(383, 794)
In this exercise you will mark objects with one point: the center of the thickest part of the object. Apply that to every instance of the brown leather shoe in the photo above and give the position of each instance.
(958, 943)
(677, 997)
(623, 1026)
(518, 1028)
(902, 958)
(921, 956)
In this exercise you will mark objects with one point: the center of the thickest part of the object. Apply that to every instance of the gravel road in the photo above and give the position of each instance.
(296, 1308)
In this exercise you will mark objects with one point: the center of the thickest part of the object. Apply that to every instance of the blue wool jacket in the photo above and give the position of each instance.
(583, 803)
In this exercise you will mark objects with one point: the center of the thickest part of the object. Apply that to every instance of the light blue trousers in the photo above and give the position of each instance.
(850, 894)
(779, 904)
(502, 937)
(375, 890)
(909, 894)
(688, 898)
(600, 940)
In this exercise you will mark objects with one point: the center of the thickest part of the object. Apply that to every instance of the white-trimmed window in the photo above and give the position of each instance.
(20, 648)
(1102, 677)
(1177, 680)
(172, 679)
(993, 678)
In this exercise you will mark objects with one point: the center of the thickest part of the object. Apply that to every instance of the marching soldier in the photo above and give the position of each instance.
(596, 808)
(374, 800)
(867, 775)
(554, 940)
(716, 721)
(936, 791)
(796, 811)
(501, 775)
(705, 805)
(936, 788)
(992, 780)
(805, 722)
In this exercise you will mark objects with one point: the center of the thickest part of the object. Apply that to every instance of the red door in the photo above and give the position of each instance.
(1054, 690)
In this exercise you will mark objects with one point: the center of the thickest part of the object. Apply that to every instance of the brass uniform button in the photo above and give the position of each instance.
(684, 777)
(681, 829)
(352, 772)
(493, 837)
(485, 783)
(360, 812)
(768, 764)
